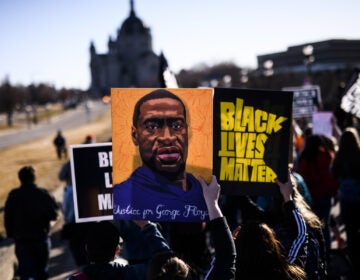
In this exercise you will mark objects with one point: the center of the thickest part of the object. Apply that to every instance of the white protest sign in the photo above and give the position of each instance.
(350, 102)
(306, 100)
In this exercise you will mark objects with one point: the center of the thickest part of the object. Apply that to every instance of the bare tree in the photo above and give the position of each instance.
(8, 101)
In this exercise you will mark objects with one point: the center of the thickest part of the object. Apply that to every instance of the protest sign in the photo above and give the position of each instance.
(322, 123)
(91, 169)
(251, 139)
(350, 102)
(154, 142)
(306, 100)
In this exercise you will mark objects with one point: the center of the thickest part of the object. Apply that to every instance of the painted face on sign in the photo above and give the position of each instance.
(161, 133)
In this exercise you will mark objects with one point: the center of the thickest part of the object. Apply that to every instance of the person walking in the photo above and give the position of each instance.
(28, 212)
(60, 145)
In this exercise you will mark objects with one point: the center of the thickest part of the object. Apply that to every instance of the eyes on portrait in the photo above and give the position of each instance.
(155, 124)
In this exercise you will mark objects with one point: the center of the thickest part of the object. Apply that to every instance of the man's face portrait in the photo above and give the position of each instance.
(171, 129)
(161, 133)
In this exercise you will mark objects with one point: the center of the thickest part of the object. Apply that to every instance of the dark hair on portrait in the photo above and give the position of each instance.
(156, 94)
(27, 175)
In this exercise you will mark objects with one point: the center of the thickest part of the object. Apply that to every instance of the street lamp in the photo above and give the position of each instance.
(268, 68)
(309, 58)
(244, 76)
(226, 80)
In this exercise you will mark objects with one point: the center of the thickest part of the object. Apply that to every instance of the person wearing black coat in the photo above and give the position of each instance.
(28, 212)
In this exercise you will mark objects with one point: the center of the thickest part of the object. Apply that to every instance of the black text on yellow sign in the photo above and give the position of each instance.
(244, 132)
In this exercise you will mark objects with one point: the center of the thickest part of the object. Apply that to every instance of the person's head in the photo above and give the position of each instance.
(102, 242)
(167, 265)
(330, 143)
(27, 175)
(312, 146)
(161, 132)
(308, 130)
(89, 139)
(256, 243)
(259, 254)
(59, 134)
(349, 141)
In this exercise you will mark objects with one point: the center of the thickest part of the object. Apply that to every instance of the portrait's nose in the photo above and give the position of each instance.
(166, 134)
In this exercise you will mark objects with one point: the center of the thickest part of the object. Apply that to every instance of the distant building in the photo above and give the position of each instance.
(326, 55)
(130, 61)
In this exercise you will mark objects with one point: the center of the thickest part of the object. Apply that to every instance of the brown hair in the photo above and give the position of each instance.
(167, 265)
(259, 255)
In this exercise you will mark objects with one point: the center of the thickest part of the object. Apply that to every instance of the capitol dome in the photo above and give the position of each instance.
(133, 24)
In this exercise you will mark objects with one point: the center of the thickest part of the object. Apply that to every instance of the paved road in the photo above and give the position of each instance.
(70, 119)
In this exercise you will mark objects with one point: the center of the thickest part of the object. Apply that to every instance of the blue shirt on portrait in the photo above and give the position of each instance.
(147, 195)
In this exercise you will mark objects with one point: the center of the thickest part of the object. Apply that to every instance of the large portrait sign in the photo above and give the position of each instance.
(251, 139)
(306, 100)
(91, 167)
(162, 141)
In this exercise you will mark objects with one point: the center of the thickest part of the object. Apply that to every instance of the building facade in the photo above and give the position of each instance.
(324, 55)
(130, 61)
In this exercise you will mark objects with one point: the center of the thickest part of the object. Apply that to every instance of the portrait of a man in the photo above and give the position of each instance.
(161, 188)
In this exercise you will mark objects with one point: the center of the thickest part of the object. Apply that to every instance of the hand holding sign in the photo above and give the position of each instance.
(211, 194)
(287, 188)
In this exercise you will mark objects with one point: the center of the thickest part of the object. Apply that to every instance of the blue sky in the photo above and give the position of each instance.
(48, 40)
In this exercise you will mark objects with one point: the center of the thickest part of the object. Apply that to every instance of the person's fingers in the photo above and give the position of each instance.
(202, 183)
(201, 180)
(278, 182)
(213, 180)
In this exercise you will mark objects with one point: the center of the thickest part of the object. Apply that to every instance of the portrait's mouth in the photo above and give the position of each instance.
(168, 154)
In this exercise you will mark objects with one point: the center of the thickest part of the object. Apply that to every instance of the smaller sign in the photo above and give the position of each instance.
(307, 99)
(322, 123)
(91, 166)
(251, 139)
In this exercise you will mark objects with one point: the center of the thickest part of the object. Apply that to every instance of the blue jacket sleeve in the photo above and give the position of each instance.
(155, 239)
(141, 245)
(153, 242)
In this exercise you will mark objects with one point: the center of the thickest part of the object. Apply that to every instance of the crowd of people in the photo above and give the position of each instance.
(285, 236)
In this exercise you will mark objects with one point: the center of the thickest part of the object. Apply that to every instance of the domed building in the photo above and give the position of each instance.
(130, 61)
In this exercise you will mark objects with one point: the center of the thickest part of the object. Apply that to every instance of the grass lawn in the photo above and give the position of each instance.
(42, 155)
(20, 120)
